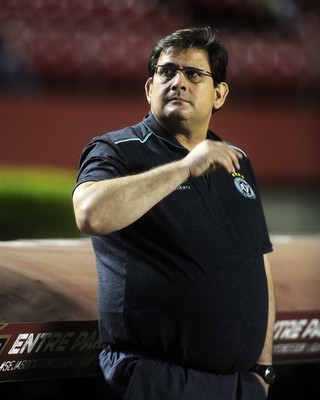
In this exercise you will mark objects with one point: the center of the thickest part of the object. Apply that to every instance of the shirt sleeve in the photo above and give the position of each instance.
(100, 160)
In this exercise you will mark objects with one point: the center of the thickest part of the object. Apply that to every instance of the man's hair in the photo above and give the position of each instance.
(203, 38)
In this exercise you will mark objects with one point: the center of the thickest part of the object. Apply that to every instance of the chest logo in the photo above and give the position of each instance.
(243, 186)
(184, 186)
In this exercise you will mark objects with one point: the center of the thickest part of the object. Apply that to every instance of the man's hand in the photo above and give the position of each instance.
(209, 155)
(263, 383)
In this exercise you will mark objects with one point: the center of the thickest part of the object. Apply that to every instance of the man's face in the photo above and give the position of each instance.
(181, 98)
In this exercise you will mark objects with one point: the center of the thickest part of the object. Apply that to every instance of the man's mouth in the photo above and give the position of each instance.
(178, 100)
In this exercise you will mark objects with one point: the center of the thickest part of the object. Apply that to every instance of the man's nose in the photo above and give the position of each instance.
(179, 80)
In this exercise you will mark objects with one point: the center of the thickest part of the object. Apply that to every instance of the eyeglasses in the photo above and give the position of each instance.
(168, 71)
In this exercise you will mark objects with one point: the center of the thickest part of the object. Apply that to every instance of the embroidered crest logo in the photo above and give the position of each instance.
(243, 186)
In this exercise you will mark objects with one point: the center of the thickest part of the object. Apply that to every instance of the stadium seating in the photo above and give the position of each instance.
(107, 40)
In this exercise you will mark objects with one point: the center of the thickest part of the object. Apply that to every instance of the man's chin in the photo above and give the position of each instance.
(178, 113)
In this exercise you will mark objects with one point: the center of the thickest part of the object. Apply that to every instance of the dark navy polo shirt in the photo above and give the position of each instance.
(185, 282)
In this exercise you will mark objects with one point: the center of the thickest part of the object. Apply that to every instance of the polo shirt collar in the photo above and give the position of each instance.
(152, 124)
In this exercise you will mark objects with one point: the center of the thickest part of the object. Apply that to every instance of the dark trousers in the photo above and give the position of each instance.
(125, 376)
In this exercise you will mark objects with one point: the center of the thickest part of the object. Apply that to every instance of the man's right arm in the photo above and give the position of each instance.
(112, 204)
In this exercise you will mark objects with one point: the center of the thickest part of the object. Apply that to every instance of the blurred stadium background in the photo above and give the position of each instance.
(73, 69)
(87, 42)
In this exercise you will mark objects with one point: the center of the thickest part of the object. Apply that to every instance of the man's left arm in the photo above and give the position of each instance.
(266, 355)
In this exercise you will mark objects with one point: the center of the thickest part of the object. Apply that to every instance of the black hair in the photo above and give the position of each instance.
(203, 38)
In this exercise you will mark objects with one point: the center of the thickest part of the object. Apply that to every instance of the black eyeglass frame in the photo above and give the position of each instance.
(200, 71)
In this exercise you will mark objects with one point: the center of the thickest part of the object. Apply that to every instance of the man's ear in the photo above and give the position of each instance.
(220, 95)
(148, 89)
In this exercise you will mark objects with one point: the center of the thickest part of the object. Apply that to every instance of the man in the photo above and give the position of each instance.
(186, 303)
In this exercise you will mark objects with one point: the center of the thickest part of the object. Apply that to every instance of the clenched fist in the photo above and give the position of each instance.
(208, 155)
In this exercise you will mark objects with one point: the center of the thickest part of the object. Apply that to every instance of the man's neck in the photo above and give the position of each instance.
(189, 141)
(187, 135)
